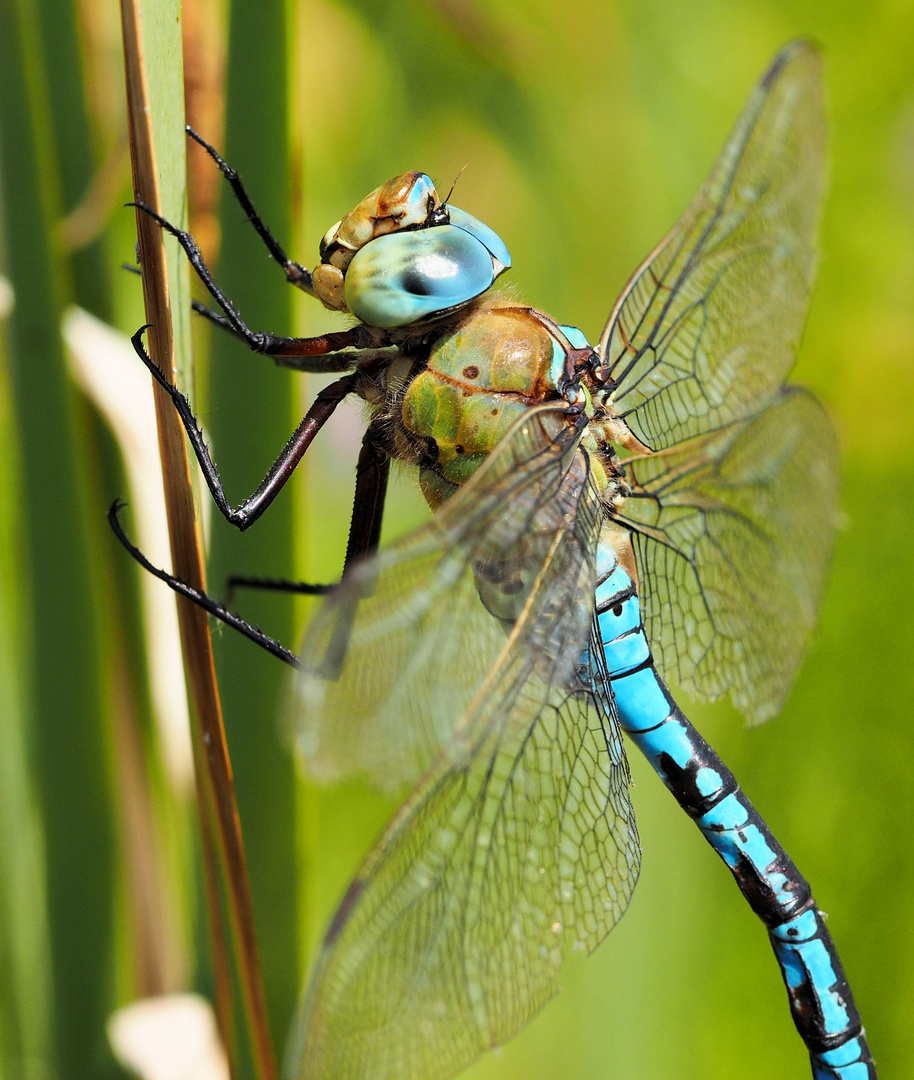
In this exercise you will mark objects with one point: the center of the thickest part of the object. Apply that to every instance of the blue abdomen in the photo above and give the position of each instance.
(820, 998)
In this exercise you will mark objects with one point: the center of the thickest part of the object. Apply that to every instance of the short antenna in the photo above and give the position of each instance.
(456, 178)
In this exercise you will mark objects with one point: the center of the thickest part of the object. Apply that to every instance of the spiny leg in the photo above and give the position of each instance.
(281, 348)
(276, 345)
(196, 307)
(295, 273)
(279, 585)
(364, 534)
(332, 360)
(372, 474)
(230, 618)
(282, 468)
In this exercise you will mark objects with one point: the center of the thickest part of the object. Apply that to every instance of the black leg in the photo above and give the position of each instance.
(254, 633)
(329, 362)
(372, 474)
(199, 309)
(295, 273)
(364, 536)
(211, 315)
(282, 468)
(359, 337)
(269, 584)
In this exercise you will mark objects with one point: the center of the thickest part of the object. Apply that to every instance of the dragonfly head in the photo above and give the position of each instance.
(402, 256)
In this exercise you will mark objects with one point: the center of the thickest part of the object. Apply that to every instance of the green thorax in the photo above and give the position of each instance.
(481, 377)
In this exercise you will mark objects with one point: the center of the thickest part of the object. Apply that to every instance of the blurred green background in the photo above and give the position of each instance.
(587, 127)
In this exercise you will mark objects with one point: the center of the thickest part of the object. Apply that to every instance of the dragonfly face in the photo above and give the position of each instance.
(403, 257)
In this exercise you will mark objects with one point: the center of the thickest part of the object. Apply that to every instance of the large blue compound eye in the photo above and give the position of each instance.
(405, 277)
(489, 238)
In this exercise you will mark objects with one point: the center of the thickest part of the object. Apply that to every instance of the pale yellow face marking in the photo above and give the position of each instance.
(327, 283)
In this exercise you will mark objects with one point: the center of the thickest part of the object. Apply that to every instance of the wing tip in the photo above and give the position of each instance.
(799, 50)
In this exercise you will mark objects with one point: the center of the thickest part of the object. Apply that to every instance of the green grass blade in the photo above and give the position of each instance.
(62, 687)
(250, 418)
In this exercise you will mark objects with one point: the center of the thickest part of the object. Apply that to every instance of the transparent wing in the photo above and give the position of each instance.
(452, 936)
(732, 537)
(707, 329)
(519, 841)
(408, 633)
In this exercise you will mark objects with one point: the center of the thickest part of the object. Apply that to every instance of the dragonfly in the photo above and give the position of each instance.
(659, 506)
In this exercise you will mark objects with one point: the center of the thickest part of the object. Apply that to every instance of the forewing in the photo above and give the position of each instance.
(407, 633)
(732, 538)
(452, 936)
(708, 327)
